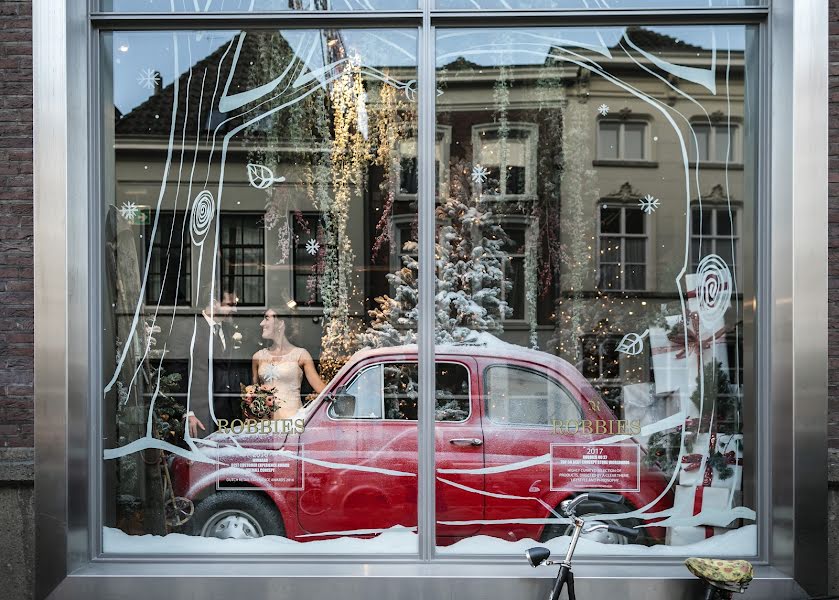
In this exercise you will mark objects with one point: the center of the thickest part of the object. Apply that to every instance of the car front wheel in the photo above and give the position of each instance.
(604, 537)
(236, 515)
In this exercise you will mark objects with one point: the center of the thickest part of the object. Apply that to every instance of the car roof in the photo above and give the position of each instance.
(483, 345)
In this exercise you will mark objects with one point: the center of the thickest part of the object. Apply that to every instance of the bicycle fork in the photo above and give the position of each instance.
(565, 575)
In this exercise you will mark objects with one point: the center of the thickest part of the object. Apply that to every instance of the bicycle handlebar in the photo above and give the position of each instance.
(627, 532)
(603, 497)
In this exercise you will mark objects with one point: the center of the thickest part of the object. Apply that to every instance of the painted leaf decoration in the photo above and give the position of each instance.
(260, 176)
(632, 344)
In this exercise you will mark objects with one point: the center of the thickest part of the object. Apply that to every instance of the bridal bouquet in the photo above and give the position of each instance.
(258, 402)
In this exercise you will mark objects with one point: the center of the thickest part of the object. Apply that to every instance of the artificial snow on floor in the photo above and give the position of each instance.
(737, 542)
(400, 540)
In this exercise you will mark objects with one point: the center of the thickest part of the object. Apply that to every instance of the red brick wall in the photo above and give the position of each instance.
(16, 295)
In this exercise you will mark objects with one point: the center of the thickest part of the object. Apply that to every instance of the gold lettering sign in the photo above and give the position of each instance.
(599, 427)
(253, 426)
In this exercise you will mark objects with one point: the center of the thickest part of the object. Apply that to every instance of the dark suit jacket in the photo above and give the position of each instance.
(215, 380)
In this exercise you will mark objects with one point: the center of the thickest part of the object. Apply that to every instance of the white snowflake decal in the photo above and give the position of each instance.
(312, 247)
(603, 109)
(649, 204)
(148, 78)
(479, 174)
(128, 211)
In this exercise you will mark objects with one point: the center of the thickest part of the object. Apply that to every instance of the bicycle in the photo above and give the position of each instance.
(539, 556)
(722, 577)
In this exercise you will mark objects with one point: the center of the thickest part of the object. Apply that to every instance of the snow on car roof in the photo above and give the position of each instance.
(481, 344)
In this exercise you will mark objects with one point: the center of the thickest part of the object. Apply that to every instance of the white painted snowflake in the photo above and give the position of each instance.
(603, 109)
(479, 174)
(148, 78)
(312, 247)
(649, 204)
(128, 211)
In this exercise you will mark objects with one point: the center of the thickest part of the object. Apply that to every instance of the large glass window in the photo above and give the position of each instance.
(600, 209)
(249, 232)
(264, 223)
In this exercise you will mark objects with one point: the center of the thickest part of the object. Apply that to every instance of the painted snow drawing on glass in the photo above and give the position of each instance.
(278, 272)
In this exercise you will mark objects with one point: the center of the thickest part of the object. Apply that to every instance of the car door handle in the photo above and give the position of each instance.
(467, 442)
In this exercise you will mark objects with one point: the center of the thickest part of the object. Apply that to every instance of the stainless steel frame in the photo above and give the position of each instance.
(791, 305)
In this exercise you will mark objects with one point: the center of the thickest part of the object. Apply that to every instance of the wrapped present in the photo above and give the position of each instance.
(726, 464)
(682, 536)
(680, 356)
(694, 465)
(712, 504)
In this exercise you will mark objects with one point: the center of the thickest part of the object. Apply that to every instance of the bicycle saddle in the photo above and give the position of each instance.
(726, 574)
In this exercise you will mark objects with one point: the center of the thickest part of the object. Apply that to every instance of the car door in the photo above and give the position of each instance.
(359, 472)
(521, 402)
(459, 444)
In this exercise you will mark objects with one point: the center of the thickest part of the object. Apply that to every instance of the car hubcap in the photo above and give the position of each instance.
(232, 524)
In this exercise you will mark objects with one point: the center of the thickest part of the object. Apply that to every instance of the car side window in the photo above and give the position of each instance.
(515, 395)
(366, 388)
(401, 392)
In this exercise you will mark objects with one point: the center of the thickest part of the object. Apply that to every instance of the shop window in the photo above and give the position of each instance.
(242, 249)
(170, 268)
(622, 140)
(510, 150)
(622, 255)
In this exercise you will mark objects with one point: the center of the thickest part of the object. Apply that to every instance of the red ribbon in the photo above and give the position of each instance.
(697, 508)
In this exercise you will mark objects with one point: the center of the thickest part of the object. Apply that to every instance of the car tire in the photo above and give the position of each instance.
(236, 515)
(554, 530)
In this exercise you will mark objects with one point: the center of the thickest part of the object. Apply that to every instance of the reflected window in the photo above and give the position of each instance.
(524, 397)
(622, 257)
(717, 142)
(242, 250)
(510, 150)
(170, 268)
(307, 267)
(409, 167)
(622, 140)
(601, 366)
(515, 256)
(714, 230)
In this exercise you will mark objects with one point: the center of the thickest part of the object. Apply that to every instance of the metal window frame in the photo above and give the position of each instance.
(790, 307)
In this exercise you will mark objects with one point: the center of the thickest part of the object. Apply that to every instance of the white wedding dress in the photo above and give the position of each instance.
(284, 376)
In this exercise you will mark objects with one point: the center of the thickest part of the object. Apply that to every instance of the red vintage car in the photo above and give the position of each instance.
(506, 418)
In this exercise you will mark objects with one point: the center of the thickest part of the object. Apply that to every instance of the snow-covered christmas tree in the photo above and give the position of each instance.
(470, 282)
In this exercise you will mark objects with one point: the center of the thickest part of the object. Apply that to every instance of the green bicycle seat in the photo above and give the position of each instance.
(726, 572)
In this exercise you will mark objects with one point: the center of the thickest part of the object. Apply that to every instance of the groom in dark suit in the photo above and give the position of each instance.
(215, 325)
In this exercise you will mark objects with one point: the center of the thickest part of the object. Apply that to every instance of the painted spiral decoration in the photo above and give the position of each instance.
(713, 287)
(203, 210)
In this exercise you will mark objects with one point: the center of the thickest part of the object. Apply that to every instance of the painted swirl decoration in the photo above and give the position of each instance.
(713, 287)
(203, 210)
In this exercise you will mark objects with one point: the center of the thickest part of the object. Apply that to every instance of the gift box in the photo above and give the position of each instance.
(728, 455)
(678, 360)
(682, 536)
(694, 465)
(709, 503)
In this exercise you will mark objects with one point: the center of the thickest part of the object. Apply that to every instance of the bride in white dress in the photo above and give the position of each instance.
(282, 366)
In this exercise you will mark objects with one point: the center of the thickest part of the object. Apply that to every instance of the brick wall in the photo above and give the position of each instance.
(16, 290)
(833, 239)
